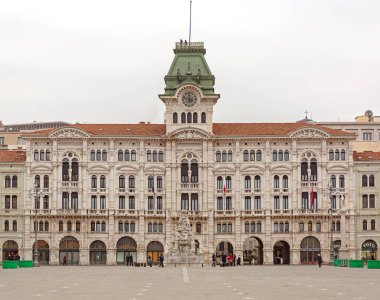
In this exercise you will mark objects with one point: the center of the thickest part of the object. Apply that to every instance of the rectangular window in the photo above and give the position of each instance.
(257, 203)
(285, 202)
(7, 202)
(150, 203)
(367, 136)
(219, 203)
(94, 202)
(103, 202)
(121, 202)
(132, 204)
(247, 205)
(194, 202)
(159, 203)
(2, 140)
(20, 141)
(228, 203)
(276, 202)
(305, 200)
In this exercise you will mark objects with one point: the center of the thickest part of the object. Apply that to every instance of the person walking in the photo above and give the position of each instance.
(224, 259)
(161, 261)
(65, 260)
(238, 260)
(213, 260)
(319, 260)
(149, 261)
(131, 260)
(234, 260)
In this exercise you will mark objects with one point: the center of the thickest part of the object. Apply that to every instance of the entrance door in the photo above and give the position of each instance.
(154, 250)
(69, 248)
(98, 253)
(43, 252)
(310, 248)
(281, 253)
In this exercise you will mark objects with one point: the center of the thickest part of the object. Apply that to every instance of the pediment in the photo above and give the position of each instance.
(309, 133)
(69, 133)
(127, 168)
(253, 169)
(154, 169)
(223, 170)
(336, 167)
(281, 167)
(190, 134)
(41, 168)
(100, 168)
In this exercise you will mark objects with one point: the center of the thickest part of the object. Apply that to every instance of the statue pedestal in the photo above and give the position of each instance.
(185, 259)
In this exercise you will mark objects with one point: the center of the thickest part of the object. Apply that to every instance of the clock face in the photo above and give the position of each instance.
(189, 99)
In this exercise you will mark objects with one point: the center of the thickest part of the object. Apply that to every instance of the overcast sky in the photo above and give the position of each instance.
(105, 61)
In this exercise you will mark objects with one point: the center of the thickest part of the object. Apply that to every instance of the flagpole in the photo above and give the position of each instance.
(191, 3)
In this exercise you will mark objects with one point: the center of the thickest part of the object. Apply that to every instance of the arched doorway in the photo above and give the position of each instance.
(43, 252)
(281, 253)
(125, 247)
(253, 251)
(9, 248)
(336, 247)
(369, 250)
(69, 248)
(98, 253)
(154, 250)
(224, 248)
(310, 248)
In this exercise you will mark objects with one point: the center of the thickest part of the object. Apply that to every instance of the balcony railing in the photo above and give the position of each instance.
(252, 212)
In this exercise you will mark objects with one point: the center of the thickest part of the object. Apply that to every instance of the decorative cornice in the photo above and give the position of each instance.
(190, 134)
(309, 133)
(69, 133)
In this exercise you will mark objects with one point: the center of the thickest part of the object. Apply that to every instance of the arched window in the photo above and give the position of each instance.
(155, 157)
(103, 182)
(133, 155)
(228, 183)
(8, 181)
(92, 155)
(41, 226)
(276, 182)
(285, 182)
(246, 227)
(121, 182)
(132, 227)
(98, 155)
(365, 201)
(364, 224)
(14, 181)
(258, 227)
(195, 117)
(48, 158)
(154, 227)
(301, 226)
(286, 226)
(103, 226)
(46, 226)
(229, 155)
(280, 155)
(159, 182)
(343, 154)
(258, 155)
(60, 226)
(14, 225)
(331, 154)
(337, 154)
(189, 119)
(37, 181)
(148, 155)
(42, 155)
(219, 183)
(121, 227)
(245, 155)
(341, 182)
(46, 202)
(6, 225)
(160, 227)
(150, 182)
(120, 155)
(183, 118)
(94, 181)
(218, 156)
(371, 201)
(98, 226)
(175, 118)
(247, 182)
(46, 182)
(257, 183)
(333, 226)
(373, 224)
(252, 155)
(35, 155)
(224, 156)
(371, 180)
(310, 226)
(77, 226)
(333, 181)
(318, 226)
(69, 226)
(160, 156)
(364, 180)
(274, 155)
(150, 227)
(198, 227)
(286, 155)
(104, 155)
(92, 226)
(126, 155)
(203, 118)
(132, 182)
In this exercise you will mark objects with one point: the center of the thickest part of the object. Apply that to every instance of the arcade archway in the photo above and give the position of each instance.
(43, 252)
(310, 248)
(69, 251)
(281, 253)
(253, 251)
(9, 247)
(125, 248)
(98, 253)
(154, 250)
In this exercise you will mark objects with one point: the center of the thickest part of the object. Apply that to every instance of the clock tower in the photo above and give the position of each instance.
(189, 90)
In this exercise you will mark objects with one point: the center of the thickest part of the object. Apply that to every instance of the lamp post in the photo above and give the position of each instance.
(35, 193)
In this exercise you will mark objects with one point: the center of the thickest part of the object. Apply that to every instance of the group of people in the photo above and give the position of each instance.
(13, 256)
(228, 259)
(160, 259)
(129, 260)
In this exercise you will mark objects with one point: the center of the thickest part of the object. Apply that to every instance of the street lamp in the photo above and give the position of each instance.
(35, 193)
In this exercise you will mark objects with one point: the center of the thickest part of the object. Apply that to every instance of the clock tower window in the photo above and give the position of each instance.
(189, 118)
(175, 118)
(203, 118)
(195, 117)
(183, 118)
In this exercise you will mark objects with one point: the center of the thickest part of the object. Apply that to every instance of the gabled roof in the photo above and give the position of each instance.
(366, 156)
(12, 156)
(219, 129)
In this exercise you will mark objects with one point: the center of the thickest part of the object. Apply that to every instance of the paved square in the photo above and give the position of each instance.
(243, 283)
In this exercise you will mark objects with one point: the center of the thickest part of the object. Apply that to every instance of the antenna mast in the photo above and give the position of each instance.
(191, 4)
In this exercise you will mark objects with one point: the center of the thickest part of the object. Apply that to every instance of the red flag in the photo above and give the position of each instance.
(225, 184)
(312, 198)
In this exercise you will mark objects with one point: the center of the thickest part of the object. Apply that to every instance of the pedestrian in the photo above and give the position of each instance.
(234, 260)
(238, 260)
(131, 260)
(161, 261)
(17, 257)
(149, 261)
(319, 260)
(213, 260)
(65, 260)
(224, 259)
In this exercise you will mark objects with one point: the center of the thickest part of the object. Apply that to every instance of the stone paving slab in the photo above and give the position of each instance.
(235, 283)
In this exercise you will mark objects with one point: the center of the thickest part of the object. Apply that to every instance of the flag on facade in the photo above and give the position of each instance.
(312, 198)
(225, 184)
(153, 184)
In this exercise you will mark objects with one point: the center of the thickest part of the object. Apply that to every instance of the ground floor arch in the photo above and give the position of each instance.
(43, 252)
(69, 251)
(10, 248)
(253, 252)
(98, 253)
(369, 250)
(224, 247)
(335, 247)
(154, 250)
(126, 250)
(281, 253)
(310, 248)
